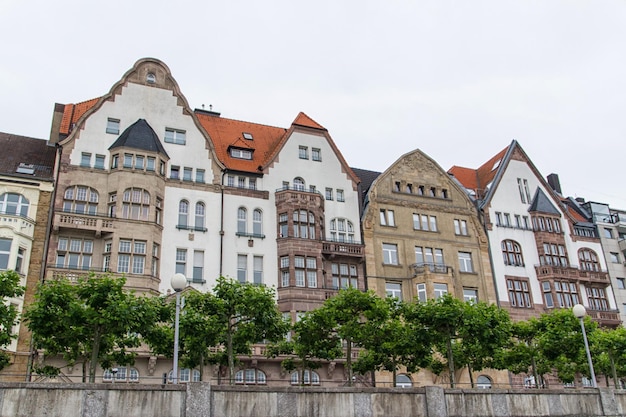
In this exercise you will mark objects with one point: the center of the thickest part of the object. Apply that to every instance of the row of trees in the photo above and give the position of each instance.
(96, 322)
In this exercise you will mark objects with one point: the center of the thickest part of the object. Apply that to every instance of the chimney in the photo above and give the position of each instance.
(555, 184)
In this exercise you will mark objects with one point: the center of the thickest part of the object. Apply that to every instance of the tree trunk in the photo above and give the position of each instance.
(451, 363)
(533, 366)
(95, 352)
(229, 352)
(469, 369)
(613, 370)
(349, 361)
(84, 366)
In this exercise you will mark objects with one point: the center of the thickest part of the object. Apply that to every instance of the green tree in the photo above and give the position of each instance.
(9, 288)
(93, 321)
(608, 347)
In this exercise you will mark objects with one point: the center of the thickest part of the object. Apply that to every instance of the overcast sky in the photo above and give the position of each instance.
(457, 79)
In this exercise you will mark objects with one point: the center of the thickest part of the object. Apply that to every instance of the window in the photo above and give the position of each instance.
(115, 161)
(597, 299)
(241, 153)
(242, 268)
(257, 265)
(257, 222)
(329, 193)
(306, 271)
(566, 293)
(155, 259)
(440, 289)
(131, 257)
(483, 382)
(99, 162)
(74, 253)
(460, 227)
(470, 294)
(283, 225)
(128, 160)
(309, 378)
(135, 204)
(498, 218)
(139, 162)
(298, 184)
(80, 199)
(113, 126)
(250, 377)
(553, 254)
(241, 182)
(588, 260)
(247, 136)
(387, 218)
(424, 222)
(394, 289)
(512, 253)
(175, 136)
(5, 252)
(200, 175)
(465, 262)
(174, 172)
(187, 173)
(85, 160)
(621, 283)
(390, 254)
(316, 154)
(303, 224)
(519, 293)
(340, 196)
(303, 152)
(524, 191)
(608, 233)
(151, 164)
(341, 230)
(12, 203)
(284, 271)
(157, 210)
(430, 257)
(344, 275)
(19, 262)
(230, 180)
(183, 214)
(120, 374)
(614, 257)
(181, 261)
(547, 294)
(403, 381)
(242, 220)
(507, 219)
(252, 183)
(198, 267)
(200, 215)
(421, 292)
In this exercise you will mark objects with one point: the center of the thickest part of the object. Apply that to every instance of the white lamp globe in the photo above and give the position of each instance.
(179, 281)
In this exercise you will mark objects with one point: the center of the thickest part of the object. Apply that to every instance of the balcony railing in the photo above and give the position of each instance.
(97, 224)
(606, 317)
(546, 271)
(341, 248)
(21, 224)
(422, 268)
(302, 197)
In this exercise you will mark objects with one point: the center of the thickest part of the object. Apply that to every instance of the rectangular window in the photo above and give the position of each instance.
(316, 154)
(128, 160)
(519, 293)
(252, 183)
(465, 262)
(139, 262)
(5, 251)
(329, 193)
(440, 289)
(470, 294)
(258, 269)
(344, 275)
(181, 261)
(139, 162)
(520, 187)
(394, 289)
(507, 219)
(340, 196)
(19, 263)
(198, 266)
(547, 294)
(99, 162)
(597, 299)
(242, 268)
(200, 175)
(175, 172)
(241, 182)
(608, 233)
(498, 218)
(421, 292)
(284, 273)
(230, 180)
(303, 152)
(614, 257)
(85, 160)
(460, 227)
(390, 254)
(241, 153)
(113, 126)
(187, 172)
(387, 218)
(175, 136)
(115, 161)
(151, 164)
(566, 293)
(621, 283)
(123, 263)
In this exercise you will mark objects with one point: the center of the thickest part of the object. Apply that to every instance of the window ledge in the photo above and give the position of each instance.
(243, 234)
(192, 228)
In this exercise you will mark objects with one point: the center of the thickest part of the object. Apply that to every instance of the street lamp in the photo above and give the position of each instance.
(179, 281)
(579, 311)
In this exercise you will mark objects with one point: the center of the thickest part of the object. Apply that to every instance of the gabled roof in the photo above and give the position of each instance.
(366, 178)
(73, 112)
(227, 133)
(304, 120)
(478, 179)
(34, 154)
(140, 135)
(542, 204)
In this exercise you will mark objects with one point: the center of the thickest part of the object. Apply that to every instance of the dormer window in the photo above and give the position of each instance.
(25, 168)
(247, 135)
(151, 78)
(240, 153)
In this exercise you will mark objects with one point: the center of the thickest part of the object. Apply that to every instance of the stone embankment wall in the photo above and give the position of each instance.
(204, 400)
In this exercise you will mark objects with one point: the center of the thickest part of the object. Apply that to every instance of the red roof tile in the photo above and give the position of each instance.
(304, 120)
(73, 112)
(466, 176)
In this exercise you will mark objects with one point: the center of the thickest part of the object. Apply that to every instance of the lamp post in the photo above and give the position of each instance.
(579, 311)
(178, 283)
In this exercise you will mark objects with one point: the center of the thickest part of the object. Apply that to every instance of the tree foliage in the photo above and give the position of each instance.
(9, 288)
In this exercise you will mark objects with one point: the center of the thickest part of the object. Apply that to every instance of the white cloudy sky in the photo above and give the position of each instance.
(457, 79)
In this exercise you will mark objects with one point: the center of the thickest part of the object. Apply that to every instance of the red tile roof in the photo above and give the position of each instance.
(478, 179)
(304, 120)
(73, 112)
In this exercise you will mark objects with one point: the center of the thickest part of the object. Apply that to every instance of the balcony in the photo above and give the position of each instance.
(332, 249)
(72, 274)
(95, 223)
(19, 224)
(552, 271)
(426, 267)
(137, 282)
(299, 197)
(605, 318)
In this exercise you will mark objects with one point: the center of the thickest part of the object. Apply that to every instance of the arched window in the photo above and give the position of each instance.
(183, 214)
(242, 219)
(250, 377)
(80, 199)
(483, 382)
(588, 260)
(184, 375)
(403, 381)
(303, 224)
(310, 378)
(135, 204)
(512, 253)
(200, 212)
(120, 374)
(298, 184)
(257, 222)
(341, 230)
(12, 203)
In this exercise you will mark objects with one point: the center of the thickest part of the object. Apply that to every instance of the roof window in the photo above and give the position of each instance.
(25, 168)
(247, 135)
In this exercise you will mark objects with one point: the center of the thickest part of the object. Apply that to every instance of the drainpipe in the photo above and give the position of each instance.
(222, 223)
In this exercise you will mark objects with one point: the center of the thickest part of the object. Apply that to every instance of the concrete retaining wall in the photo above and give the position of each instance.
(204, 400)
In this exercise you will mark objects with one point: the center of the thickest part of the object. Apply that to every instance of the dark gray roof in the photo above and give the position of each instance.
(367, 178)
(35, 155)
(141, 136)
(541, 203)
